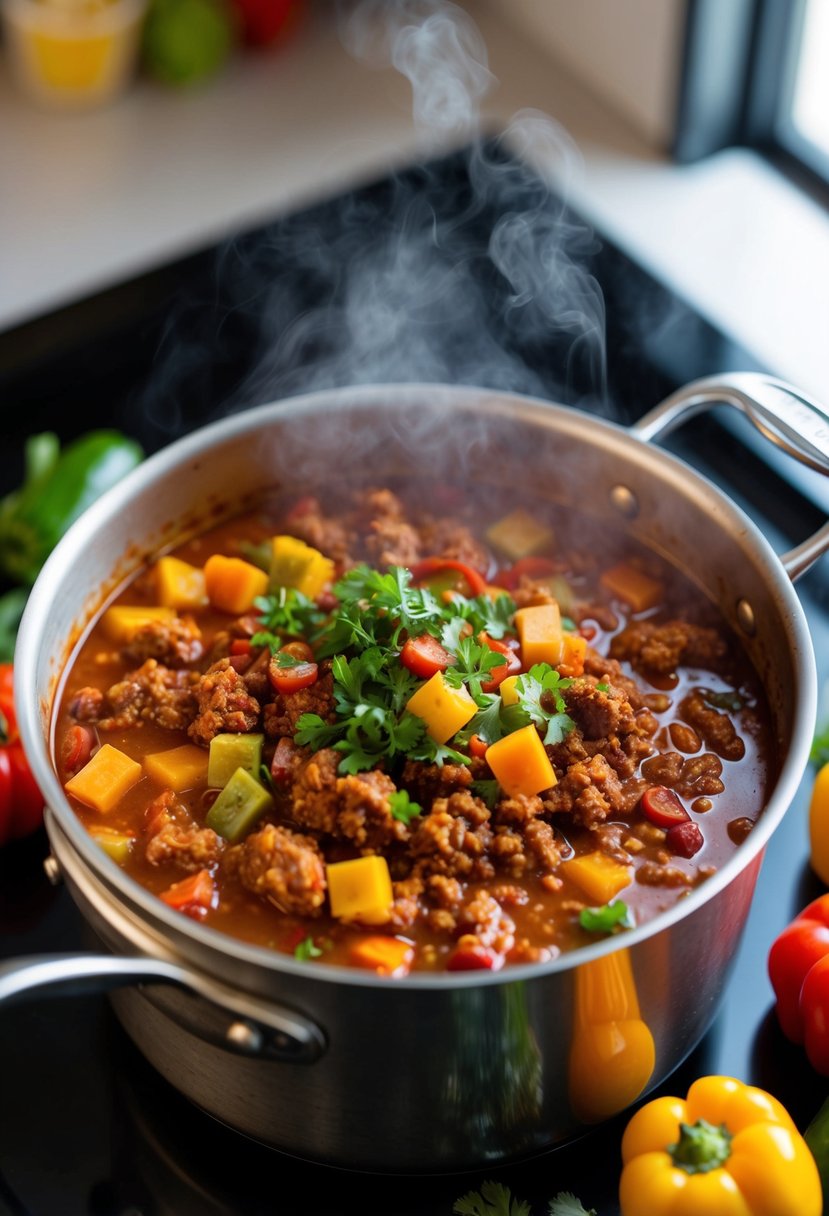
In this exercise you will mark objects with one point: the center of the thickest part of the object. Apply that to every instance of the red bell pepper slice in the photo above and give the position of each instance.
(429, 566)
(800, 946)
(814, 1010)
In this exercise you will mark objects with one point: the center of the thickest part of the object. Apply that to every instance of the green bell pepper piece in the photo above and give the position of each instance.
(242, 801)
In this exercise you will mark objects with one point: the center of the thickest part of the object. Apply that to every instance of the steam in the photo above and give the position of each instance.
(467, 269)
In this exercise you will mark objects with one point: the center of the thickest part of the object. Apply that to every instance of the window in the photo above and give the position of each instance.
(756, 72)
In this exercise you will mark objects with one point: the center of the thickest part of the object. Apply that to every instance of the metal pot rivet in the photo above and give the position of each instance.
(745, 617)
(244, 1037)
(625, 501)
(52, 870)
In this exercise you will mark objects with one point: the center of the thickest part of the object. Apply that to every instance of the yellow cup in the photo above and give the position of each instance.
(73, 53)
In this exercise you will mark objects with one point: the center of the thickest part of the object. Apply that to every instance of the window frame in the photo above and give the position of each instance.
(736, 86)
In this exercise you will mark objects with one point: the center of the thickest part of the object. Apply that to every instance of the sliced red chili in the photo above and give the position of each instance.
(663, 807)
(428, 566)
(510, 667)
(684, 839)
(197, 891)
(424, 656)
(477, 747)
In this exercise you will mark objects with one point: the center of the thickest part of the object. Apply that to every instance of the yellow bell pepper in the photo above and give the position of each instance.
(179, 584)
(726, 1149)
(819, 825)
(443, 708)
(612, 1052)
(519, 534)
(599, 876)
(295, 564)
(540, 633)
(360, 889)
(122, 622)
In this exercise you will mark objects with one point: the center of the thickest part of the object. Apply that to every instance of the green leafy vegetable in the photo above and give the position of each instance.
(731, 702)
(474, 664)
(488, 791)
(819, 754)
(58, 486)
(286, 614)
(493, 1199)
(306, 950)
(606, 919)
(566, 1204)
(539, 695)
(403, 808)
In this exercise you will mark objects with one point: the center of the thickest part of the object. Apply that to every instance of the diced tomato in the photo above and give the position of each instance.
(76, 748)
(241, 646)
(474, 958)
(424, 656)
(298, 650)
(197, 891)
(291, 679)
(662, 807)
(477, 747)
(510, 668)
(303, 506)
(428, 566)
(684, 839)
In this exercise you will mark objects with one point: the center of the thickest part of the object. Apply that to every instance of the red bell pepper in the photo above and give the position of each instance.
(801, 948)
(427, 567)
(21, 802)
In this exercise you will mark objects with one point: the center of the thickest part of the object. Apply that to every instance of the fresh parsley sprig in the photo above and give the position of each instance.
(285, 614)
(539, 695)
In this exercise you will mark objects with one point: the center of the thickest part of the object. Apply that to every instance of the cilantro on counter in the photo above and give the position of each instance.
(495, 1199)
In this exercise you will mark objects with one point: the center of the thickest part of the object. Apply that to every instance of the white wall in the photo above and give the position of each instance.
(626, 51)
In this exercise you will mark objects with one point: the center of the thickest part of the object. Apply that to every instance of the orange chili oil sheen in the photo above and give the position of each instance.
(523, 908)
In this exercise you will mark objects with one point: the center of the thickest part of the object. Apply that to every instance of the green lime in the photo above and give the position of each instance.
(186, 41)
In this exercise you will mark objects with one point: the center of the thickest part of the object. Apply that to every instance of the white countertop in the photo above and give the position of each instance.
(87, 200)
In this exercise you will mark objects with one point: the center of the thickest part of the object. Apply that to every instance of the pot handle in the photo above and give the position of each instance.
(784, 415)
(255, 1027)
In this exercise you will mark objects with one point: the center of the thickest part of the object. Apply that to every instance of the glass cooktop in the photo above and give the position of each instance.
(467, 270)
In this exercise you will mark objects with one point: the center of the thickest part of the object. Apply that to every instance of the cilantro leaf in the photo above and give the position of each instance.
(403, 808)
(607, 918)
(312, 731)
(306, 950)
(473, 666)
(493, 1199)
(487, 721)
(566, 1204)
(488, 791)
(288, 613)
(494, 616)
(539, 695)
(437, 753)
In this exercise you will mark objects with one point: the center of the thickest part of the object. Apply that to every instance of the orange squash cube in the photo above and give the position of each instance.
(599, 876)
(573, 650)
(638, 590)
(105, 779)
(232, 584)
(520, 763)
(540, 633)
(360, 889)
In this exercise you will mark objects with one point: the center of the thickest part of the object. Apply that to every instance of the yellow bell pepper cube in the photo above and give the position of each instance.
(180, 768)
(295, 564)
(443, 708)
(599, 876)
(121, 623)
(520, 763)
(360, 889)
(519, 534)
(638, 590)
(117, 845)
(178, 584)
(540, 634)
(232, 584)
(105, 779)
(508, 690)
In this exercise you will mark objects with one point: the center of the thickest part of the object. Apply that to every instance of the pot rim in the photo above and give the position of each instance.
(156, 467)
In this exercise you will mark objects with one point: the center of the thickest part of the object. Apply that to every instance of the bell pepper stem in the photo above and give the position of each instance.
(701, 1147)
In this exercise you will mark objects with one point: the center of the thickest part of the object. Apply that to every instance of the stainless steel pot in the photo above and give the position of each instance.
(432, 1072)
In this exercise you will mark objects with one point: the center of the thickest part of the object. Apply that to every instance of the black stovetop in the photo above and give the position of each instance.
(466, 270)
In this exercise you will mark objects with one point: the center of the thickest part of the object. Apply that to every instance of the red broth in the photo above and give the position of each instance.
(521, 833)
